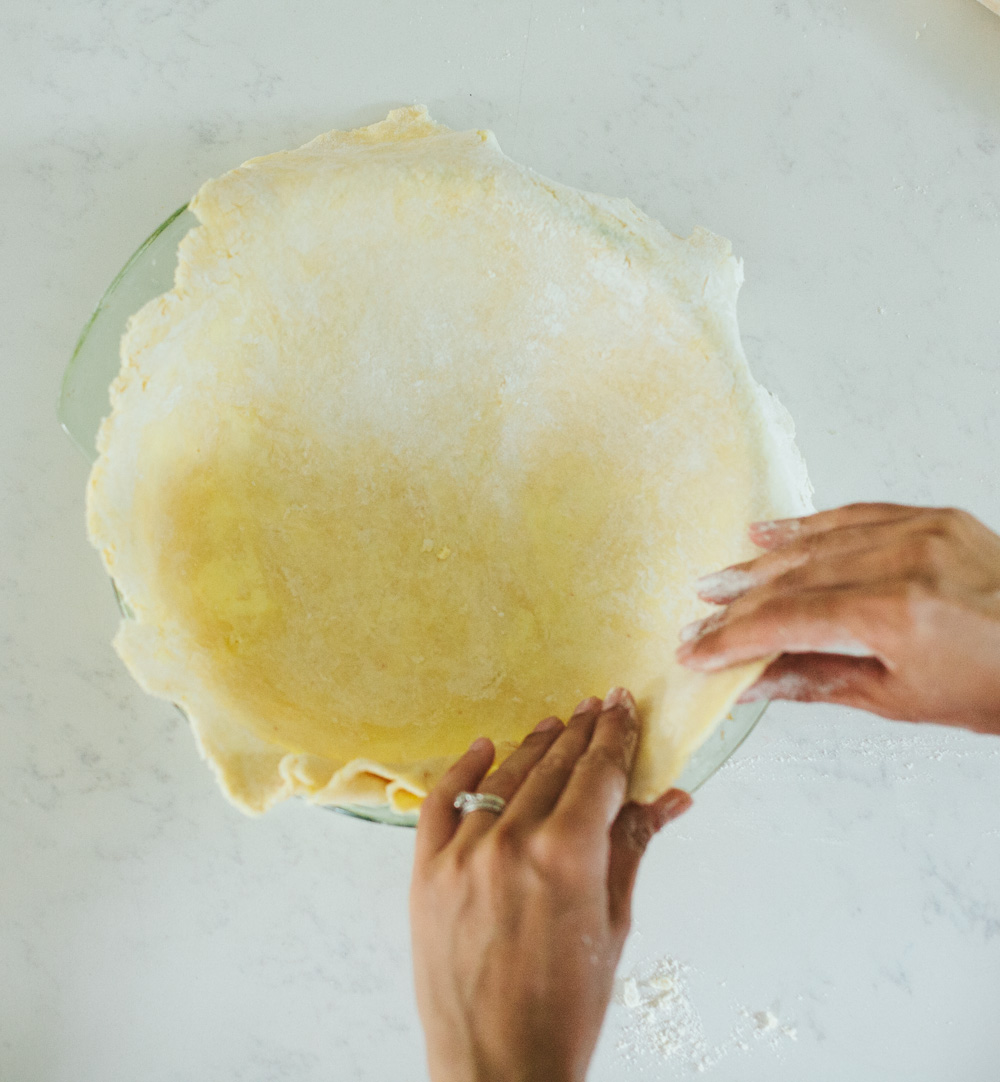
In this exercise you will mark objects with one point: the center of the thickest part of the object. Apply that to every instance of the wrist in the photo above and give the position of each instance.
(493, 1074)
(511, 1068)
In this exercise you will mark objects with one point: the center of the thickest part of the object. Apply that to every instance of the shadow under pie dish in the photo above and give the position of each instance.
(419, 446)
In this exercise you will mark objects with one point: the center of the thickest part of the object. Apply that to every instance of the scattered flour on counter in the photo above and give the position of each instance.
(764, 1020)
(897, 755)
(662, 1020)
(663, 1024)
(768, 1026)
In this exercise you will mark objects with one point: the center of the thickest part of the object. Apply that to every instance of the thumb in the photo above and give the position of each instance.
(827, 678)
(630, 834)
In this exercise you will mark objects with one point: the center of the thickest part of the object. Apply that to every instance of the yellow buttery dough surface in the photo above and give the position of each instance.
(420, 447)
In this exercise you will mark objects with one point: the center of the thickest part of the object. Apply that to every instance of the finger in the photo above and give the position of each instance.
(849, 621)
(541, 788)
(823, 678)
(841, 556)
(507, 779)
(778, 532)
(438, 816)
(595, 791)
(630, 834)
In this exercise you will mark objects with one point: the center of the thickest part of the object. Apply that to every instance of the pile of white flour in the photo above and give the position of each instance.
(663, 1023)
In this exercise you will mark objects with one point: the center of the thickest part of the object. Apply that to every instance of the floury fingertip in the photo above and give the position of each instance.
(774, 530)
(724, 586)
(620, 697)
(690, 632)
(694, 631)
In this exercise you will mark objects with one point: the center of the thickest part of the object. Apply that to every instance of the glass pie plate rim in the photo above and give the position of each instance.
(83, 402)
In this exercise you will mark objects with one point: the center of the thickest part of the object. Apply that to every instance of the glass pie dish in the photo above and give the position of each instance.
(83, 403)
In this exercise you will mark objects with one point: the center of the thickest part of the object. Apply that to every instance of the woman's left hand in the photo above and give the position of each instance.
(519, 919)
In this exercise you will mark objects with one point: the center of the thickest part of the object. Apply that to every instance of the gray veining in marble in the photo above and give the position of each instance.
(842, 873)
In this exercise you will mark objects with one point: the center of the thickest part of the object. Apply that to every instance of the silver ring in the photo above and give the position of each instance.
(470, 802)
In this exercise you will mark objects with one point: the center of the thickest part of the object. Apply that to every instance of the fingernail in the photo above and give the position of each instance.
(592, 703)
(694, 631)
(546, 725)
(724, 586)
(689, 632)
(481, 743)
(673, 804)
(620, 697)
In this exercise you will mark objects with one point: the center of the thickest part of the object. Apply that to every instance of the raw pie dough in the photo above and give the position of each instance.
(423, 446)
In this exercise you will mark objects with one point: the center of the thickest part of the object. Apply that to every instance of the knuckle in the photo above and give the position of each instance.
(759, 600)
(555, 763)
(773, 607)
(920, 545)
(791, 578)
(798, 565)
(928, 549)
(944, 523)
(554, 853)
(505, 839)
(963, 527)
(581, 723)
(608, 759)
(966, 521)
(912, 597)
(862, 507)
(806, 548)
(921, 599)
(954, 518)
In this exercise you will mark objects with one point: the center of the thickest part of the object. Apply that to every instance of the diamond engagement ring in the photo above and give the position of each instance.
(470, 802)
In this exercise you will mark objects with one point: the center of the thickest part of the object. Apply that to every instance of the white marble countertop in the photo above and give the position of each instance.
(841, 873)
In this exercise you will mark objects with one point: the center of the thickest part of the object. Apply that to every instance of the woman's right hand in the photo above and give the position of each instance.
(887, 608)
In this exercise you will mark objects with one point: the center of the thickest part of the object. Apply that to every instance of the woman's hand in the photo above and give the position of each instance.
(891, 609)
(519, 919)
